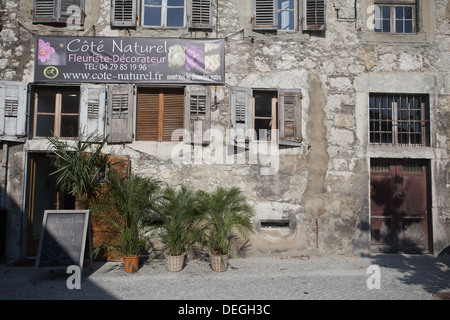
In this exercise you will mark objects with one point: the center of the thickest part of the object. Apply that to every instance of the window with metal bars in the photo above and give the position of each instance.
(399, 119)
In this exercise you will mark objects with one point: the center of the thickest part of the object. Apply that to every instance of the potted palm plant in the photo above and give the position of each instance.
(226, 215)
(178, 215)
(79, 165)
(128, 200)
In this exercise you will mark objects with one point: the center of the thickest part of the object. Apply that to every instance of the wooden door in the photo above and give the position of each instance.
(399, 206)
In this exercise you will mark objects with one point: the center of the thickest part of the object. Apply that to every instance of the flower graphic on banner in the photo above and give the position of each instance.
(195, 58)
(177, 56)
(45, 51)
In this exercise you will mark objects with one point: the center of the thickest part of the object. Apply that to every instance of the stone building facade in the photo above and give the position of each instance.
(354, 97)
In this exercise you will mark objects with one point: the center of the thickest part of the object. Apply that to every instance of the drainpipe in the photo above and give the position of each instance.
(4, 169)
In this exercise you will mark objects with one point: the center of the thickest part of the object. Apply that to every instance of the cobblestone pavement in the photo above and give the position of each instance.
(402, 277)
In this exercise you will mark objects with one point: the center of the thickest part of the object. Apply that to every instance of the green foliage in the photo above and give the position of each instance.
(226, 214)
(79, 163)
(179, 215)
(127, 202)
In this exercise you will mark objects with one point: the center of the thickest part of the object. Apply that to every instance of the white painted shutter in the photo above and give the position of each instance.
(197, 108)
(92, 110)
(123, 13)
(13, 109)
(200, 14)
(265, 15)
(314, 15)
(241, 110)
(45, 11)
(121, 104)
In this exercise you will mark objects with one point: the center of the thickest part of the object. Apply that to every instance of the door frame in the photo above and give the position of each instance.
(397, 234)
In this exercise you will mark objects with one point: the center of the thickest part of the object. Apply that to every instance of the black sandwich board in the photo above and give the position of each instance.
(63, 240)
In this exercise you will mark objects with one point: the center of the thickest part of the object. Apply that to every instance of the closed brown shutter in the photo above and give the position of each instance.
(173, 117)
(147, 114)
(160, 112)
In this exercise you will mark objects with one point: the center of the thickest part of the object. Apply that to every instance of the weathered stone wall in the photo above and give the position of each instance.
(321, 188)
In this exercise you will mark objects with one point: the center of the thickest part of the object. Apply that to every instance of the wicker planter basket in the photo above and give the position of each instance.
(174, 263)
(219, 263)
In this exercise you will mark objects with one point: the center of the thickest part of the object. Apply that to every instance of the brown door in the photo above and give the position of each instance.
(399, 206)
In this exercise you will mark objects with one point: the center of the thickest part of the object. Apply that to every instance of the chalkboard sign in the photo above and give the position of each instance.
(63, 239)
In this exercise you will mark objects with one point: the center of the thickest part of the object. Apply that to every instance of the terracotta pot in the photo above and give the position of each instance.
(219, 263)
(131, 264)
(174, 263)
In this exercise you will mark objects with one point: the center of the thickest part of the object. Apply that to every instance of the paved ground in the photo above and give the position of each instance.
(402, 277)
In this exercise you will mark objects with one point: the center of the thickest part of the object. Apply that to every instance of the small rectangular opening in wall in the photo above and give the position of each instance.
(275, 223)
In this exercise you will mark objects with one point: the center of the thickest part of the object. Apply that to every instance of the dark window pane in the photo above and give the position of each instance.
(408, 27)
(153, 2)
(399, 26)
(399, 12)
(175, 17)
(46, 101)
(69, 126)
(408, 12)
(262, 128)
(45, 125)
(152, 16)
(263, 105)
(386, 26)
(386, 11)
(176, 3)
(70, 102)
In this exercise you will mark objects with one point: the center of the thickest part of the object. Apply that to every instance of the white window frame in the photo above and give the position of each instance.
(296, 17)
(164, 8)
(393, 5)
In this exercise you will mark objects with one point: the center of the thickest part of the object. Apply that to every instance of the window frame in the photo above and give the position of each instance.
(58, 110)
(242, 114)
(164, 9)
(392, 124)
(393, 25)
(296, 17)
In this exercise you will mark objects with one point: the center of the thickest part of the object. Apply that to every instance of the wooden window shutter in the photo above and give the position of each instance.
(198, 113)
(147, 114)
(45, 11)
(314, 14)
(160, 112)
(123, 13)
(13, 110)
(64, 5)
(289, 115)
(92, 110)
(49, 11)
(200, 14)
(265, 15)
(173, 112)
(121, 103)
(241, 110)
